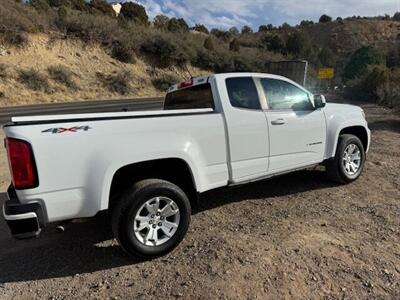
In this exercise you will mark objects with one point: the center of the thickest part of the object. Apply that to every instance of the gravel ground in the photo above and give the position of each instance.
(297, 236)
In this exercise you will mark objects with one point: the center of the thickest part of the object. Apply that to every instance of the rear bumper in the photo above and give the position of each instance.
(24, 220)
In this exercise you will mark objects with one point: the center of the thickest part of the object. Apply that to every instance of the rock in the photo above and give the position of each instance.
(368, 284)
(3, 51)
(384, 271)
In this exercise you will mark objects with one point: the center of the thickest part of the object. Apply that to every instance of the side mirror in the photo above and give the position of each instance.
(319, 101)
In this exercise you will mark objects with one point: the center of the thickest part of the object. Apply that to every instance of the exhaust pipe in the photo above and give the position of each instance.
(62, 227)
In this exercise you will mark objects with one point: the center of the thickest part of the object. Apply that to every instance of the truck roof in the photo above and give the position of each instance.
(204, 79)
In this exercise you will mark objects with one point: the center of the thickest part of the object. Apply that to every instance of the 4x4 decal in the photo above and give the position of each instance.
(63, 129)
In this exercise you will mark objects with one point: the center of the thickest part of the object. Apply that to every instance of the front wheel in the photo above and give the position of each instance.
(151, 218)
(349, 160)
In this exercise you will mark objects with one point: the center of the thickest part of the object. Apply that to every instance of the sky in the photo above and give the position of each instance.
(227, 13)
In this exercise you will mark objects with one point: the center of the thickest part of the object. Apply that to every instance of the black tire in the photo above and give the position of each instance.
(123, 214)
(335, 168)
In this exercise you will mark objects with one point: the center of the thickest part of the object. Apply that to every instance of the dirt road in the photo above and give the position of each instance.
(297, 236)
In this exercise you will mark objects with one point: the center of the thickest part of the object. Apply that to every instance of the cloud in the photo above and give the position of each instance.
(228, 13)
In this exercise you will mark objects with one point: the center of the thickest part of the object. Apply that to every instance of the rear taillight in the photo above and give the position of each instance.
(22, 164)
(185, 84)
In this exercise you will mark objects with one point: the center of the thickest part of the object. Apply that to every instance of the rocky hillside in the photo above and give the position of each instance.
(56, 70)
(346, 36)
(63, 50)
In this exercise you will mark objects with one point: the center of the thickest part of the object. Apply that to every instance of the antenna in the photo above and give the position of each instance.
(187, 69)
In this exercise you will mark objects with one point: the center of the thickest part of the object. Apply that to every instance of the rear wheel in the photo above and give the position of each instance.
(151, 218)
(349, 160)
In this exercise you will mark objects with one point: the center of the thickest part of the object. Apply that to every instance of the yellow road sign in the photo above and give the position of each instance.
(326, 73)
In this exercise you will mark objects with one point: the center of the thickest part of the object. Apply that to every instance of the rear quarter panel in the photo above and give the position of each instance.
(76, 168)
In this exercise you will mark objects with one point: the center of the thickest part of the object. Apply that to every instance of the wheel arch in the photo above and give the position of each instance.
(360, 131)
(174, 170)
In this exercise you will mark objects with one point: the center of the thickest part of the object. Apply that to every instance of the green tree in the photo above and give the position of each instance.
(221, 34)
(40, 4)
(360, 60)
(396, 16)
(134, 12)
(200, 28)
(103, 7)
(177, 25)
(325, 19)
(209, 44)
(161, 22)
(246, 29)
(326, 58)
(299, 44)
(276, 44)
(234, 45)
(234, 31)
(306, 23)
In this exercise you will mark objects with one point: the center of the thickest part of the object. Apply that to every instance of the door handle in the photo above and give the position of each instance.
(279, 121)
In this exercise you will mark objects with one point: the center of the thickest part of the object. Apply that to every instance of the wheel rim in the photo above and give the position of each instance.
(156, 221)
(352, 159)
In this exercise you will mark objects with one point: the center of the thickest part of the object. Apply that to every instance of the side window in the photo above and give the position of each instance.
(243, 93)
(284, 95)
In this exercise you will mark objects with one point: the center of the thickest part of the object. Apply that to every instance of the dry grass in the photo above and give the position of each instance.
(120, 83)
(62, 75)
(34, 80)
(82, 60)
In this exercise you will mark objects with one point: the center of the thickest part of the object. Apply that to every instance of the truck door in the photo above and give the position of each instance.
(297, 131)
(247, 130)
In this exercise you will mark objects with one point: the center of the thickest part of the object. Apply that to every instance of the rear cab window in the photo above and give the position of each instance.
(193, 97)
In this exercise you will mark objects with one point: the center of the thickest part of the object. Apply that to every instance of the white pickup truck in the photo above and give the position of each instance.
(145, 168)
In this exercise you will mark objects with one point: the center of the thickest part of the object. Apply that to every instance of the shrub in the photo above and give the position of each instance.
(306, 23)
(246, 29)
(81, 5)
(3, 71)
(234, 31)
(90, 28)
(103, 7)
(298, 43)
(209, 44)
(120, 82)
(396, 16)
(34, 80)
(376, 79)
(177, 25)
(134, 12)
(204, 59)
(393, 57)
(122, 51)
(201, 28)
(265, 28)
(161, 22)
(274, 43)
(359, 61)
(234, 45)
(221, 34)
(17, 39)
(326, 58)
(40, 4)
(163, 52)
(325, 19)
(63, 75)
(164, 82)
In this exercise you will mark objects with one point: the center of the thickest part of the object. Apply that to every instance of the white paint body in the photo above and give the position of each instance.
(221, 147)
